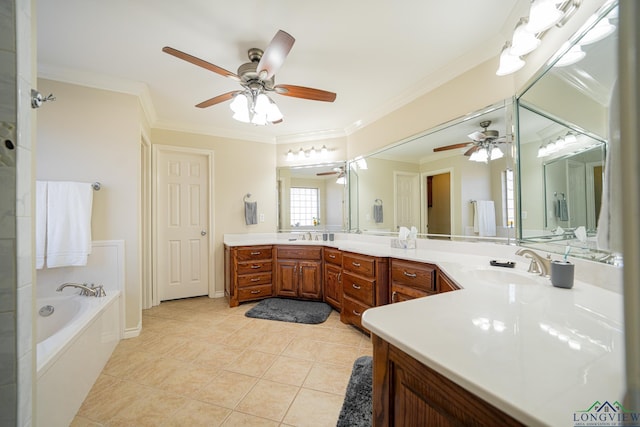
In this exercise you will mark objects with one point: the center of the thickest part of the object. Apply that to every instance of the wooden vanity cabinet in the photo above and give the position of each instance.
(248, 273)
(299, 272)
(444, 283)
(333, 277)
(410, 279)
(407, 393)
(365, 284)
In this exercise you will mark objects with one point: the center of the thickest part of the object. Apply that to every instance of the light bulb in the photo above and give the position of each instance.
(523, 41)
(570, 138)
(574, 55)
(496, 153)
(239, 103)
(262, 104)
(312, 152)
(273, 113)
(602, 29)
(290, 155)
(508, 63)
(543, 15)
(324, 150)
(301, 154)
(542, 151)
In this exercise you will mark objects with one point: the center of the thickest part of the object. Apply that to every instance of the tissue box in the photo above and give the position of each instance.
(403, 244)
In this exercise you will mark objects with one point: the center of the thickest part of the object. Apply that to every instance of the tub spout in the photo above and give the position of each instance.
(84, 289)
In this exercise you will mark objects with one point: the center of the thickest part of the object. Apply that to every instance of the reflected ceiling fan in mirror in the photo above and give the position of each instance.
(484, 144)
(251, 104)
(336, 171)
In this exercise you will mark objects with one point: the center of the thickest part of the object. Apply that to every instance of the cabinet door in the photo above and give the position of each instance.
(333, 285)
(287, 278)
(310, 280)
(445, 284)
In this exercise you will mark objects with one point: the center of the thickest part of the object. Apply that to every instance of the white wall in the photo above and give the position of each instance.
(92, 135)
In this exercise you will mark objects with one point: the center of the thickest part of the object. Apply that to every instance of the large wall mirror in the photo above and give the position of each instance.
(450, 181)
(562, 135)
(312, 198)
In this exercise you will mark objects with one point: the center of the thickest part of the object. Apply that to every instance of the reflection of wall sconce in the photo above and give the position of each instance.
(311, 153)
(557, 145)
(527, 35)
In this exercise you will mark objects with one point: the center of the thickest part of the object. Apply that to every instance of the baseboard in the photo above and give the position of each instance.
(217, 294)
(132, 332)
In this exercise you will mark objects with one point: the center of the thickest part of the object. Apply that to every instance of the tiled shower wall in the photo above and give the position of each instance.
(16, 266)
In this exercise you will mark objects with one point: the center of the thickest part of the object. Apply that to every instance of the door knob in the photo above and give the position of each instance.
(203, 233)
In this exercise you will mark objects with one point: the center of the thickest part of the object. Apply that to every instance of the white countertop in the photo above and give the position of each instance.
(537, 352)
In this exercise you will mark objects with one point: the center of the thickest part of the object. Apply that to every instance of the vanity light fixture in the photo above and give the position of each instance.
(543, 15)
(573, 55)
(570, 138)
(303, 153)
(528, 33)
(602, 29)
(509, 63)
(290, 155)
(323, 150)
(523, 41)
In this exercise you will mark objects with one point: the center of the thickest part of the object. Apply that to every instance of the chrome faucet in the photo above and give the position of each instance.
(95, 291)
(538, 265)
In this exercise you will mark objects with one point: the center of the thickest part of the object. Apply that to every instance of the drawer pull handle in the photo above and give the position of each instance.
(255, 292)
(356, 313)
(332, 256)
(412, 275)
(355, 286)
(256, 253)
(355, 264)
(254, 266)
(340, 277)
(393, 296)
(255, 279)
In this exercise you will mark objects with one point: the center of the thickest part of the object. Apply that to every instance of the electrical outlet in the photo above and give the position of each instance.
(261, 217)
(524, 214)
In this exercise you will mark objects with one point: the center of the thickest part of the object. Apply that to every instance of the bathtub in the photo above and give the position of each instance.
(73, 345)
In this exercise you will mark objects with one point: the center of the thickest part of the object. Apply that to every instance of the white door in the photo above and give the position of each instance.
(407, 206)
(182, 224)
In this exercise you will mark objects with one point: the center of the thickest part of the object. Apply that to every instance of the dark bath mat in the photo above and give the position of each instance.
(290, 310)
(357, 408)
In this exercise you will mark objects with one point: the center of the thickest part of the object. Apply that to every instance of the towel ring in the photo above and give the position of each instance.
(246, 197)
(378, 202)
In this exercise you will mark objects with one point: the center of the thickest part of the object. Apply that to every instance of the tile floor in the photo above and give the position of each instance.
(198, 362)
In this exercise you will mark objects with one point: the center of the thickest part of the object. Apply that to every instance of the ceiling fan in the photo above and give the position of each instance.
(257, 77)
(334, 171)
(487, 139)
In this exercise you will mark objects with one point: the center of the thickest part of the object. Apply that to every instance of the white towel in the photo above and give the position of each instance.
(484, 218)
(41, 222)
(68, 223)
(610, 232)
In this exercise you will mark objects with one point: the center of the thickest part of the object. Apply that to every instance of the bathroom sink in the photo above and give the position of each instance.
(505, 276)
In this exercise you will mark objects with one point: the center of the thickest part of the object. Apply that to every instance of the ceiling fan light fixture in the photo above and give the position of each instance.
(496, 153)
(508, 62)
(543, 15)
(480, 155)
(523, 41)
(342, 180)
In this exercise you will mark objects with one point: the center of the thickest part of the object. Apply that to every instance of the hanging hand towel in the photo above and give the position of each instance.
(378, 215)
(484, 218)
(68, 223)
(564, 211)
(41, 222)
(251, 213)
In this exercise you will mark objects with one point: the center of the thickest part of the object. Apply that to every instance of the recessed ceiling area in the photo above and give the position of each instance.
(376, 55)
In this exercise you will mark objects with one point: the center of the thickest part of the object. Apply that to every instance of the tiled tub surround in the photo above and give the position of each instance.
(536, 352)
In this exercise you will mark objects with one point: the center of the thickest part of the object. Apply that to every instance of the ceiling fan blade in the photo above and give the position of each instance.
(471, 150)
(327, 173)
(200, 62)
(477, 136)
(305, 92)
(274, 55)
(452, 146)
(217, 99)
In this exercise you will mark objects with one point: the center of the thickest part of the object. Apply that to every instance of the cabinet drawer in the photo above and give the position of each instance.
(352, 312)
(416, 275)
(358, 288)
(359, 264)
(255, 292)
(299, 252)
(333, 256)
(254, 279)
(254, 252)
(254, 267)
(401, 293)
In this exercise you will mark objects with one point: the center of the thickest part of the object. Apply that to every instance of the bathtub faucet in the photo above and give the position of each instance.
(95, 291)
